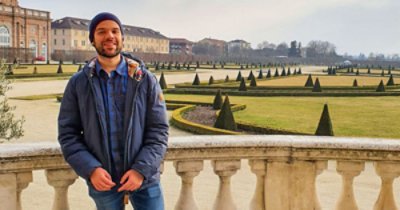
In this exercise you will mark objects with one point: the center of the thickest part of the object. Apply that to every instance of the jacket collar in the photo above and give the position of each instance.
(135, 67)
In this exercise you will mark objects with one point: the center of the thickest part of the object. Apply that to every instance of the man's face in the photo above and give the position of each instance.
(108, 39)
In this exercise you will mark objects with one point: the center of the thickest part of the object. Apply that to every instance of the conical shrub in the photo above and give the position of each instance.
(390, 82)
(239, 77)
(355, 83)
(276, 73)
(369, 71)
(211, 80)
(163, 83)
(299, 71)
(289, 72)
(383, 73)
(269, 73)
(309, 82)
(226, 78)
(217, 104)
(59, 70)
(196, 80)
(381, 87)
(251, 75)
(34, 70)
(79, 67)
(317, 86)
(253, 82)
(358, 72)
(242, 86)
(283, 72)
(260, 74)
(225, 118)
(325, 125)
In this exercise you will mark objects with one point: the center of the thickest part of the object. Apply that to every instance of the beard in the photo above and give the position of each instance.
(101, 51)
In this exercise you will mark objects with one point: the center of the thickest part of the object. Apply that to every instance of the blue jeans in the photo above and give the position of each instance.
(150, 198)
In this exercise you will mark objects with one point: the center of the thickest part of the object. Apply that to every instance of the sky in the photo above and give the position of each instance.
(354, 26)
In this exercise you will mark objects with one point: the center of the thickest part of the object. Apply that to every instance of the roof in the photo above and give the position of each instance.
(83, 24)
(179, 41)
(238, 41)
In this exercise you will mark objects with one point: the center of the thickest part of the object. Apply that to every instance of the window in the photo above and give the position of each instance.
(76, 33)
(63, 32)
(22, 29)
(83, 33)
(4, 36)
(55, 41)
(44, 31)
(63, 42)
(83, 42)
(55, 31)
(75, 43)
(22, 44)
(44, 50)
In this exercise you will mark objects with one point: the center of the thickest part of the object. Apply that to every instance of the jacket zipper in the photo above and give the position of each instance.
(101, 125)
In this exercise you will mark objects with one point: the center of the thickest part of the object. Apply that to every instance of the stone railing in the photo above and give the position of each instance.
(286, 168)
(23, 11)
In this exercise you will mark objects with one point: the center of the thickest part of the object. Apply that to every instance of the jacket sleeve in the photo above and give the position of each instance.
(155, 137)
(70, 134)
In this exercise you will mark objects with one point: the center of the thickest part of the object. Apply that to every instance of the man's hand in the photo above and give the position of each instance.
(101, 180)
(131, 181)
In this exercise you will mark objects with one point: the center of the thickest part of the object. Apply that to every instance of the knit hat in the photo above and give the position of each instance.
(99, 18)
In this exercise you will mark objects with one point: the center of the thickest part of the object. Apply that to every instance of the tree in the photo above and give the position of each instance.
(390, 82)
(317, 86)
(253, 82)
(225, 119)
(309, 82)
(242, 86)
(381, 87)
(260, 74)
(211, 80)
(59, 70)
(163, 83)
(226, 78)
(196, 80)
(355, 83)
(10, 127)
(217, 104)
(318, 49)
(269, 73)
(325, 125)
(251, 75)
(239, 77)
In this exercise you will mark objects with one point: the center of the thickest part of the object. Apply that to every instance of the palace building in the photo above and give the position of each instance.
(72, 34)
(24, 30)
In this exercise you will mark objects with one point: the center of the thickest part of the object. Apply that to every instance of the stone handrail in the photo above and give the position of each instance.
(286, 168)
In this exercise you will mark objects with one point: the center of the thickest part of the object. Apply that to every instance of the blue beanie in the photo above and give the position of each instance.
(99, 18)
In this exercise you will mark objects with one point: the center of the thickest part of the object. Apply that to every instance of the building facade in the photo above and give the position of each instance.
(213, 47)
(24, 28)
(180, 46)
(71, 34)
(238, 45)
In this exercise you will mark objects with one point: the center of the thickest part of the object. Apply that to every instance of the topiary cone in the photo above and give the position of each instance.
(253, 82)
(227, 78)
(196, 80)
(381, 87)
(239, 77)
(269, 73)
(250, 75)
(59, 70)
(260, 74)
(390, 82)
(163, 83)
(211, 80)
(217, 104)
(225, 118)
(276, 73)
(242, 86)
(309, 82)
(325, 125)
(317, 86)
(355, 83)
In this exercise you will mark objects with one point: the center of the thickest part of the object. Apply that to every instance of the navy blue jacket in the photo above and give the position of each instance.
(82, 123)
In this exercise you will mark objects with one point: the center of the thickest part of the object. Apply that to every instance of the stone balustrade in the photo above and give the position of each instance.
(285, 167)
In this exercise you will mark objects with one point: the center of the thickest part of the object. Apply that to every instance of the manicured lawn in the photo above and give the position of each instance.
(325, 81)
(351, 116)
(50, 68)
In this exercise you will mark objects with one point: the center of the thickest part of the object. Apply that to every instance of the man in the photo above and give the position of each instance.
(113, 126)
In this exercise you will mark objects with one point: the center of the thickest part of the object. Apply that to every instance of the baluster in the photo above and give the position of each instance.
(23, 180)
(320, 167)
(8, 191)
(388, 171)
(348, 170)
(225, 169)
(187, 170)
(258, 168)
(60, 179)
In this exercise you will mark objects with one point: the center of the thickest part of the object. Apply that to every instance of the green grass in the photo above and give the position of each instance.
(45, 68)
(356, 117)
(38, 97)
